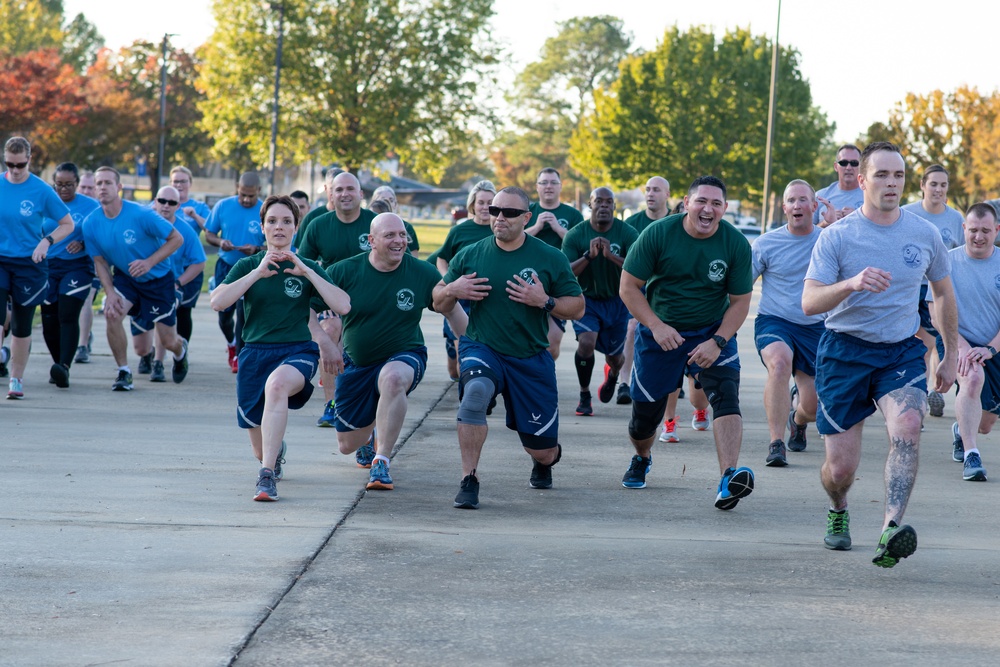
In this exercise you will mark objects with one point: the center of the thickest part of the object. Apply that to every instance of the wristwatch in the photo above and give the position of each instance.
(587, 256)
(550, 305)
(50, 240)
(720, 341)
(993, 350)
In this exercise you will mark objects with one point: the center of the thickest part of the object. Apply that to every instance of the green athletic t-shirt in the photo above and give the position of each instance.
(640, 221)
(276, 307)
(600, 278)
(567, 216)
(689, 280)
(305, 222)
(461, 235)
(506, 326)
(386, 307)
(328, 240)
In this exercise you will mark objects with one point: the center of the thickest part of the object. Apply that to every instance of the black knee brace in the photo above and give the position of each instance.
(646, 418)
(722, 386)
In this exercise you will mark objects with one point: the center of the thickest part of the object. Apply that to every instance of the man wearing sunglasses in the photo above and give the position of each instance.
(25, 201)
(843, 195)
(514, 282)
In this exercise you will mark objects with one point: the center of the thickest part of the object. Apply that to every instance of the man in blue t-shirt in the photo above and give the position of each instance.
(138, 243)
(25, 201)
(234, 227)
(842, 196)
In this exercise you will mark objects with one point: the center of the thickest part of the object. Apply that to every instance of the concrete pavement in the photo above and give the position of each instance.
(129, 537)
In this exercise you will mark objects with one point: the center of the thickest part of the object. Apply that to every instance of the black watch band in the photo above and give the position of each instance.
(993, 350)
(550, 305)
(720, 341)
(51, 241)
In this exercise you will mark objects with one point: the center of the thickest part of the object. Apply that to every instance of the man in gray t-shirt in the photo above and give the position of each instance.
(842, 196)
(866, 272)
(786, 338)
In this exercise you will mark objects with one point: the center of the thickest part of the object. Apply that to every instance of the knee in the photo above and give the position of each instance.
(779, 364)
(722, 387)
(476, 395)
(585, 346)
(276, 388)
(839, 472)
(393, 382)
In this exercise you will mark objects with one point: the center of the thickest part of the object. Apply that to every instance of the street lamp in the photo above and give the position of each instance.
(280, 7)
(161, 158)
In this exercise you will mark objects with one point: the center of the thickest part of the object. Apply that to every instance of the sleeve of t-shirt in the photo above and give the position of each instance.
(456, 266)
(89, 238)
(428, 280)
(154, 224)
(757, 258)
(741, 273)
(414, 244)
(940, 265)
(571, 246)
(564, 283)
(824, 266)
(631, 236)
(307, 247)
(243, 267)
(214, 222)
(55, 208)
(447, 249)
(192, 249)
(640, 262)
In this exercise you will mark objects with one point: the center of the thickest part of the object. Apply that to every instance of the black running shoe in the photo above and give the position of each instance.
(585, 408)
(541, 474)
(468, 495)
(607, 388)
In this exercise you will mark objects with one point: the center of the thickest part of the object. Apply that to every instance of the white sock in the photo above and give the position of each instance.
(125, 368)
(379, 456)
(970, 451)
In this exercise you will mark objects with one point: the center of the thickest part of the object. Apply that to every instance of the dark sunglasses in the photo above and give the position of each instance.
(16, 165)
(844, 163)
(507, 211)
(166, 202)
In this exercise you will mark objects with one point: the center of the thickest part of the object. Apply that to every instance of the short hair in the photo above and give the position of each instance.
(798, 181)
(713, 181)
(383, 189)
(118, 177)
(481, 186)
(982, 210)
(298, 194)
(548, 170)
(875, 147)
(933, 169)
(678, 207)
(518, 192)
(182, 170)
(331, 174)
(380, 206)
(851, 147)
(86, 172)
(284, 200)
(18, 146)
(249, 179)
(69, 168)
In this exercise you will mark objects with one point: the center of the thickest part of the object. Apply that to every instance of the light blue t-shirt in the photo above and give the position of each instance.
(200, 207)
(136, 233)
(782, 259)
(977, 293)
(839, 198)
(190, 253)
(908, 249)
(23, 209)
(949, 223)
(236, 224)
(79, 208)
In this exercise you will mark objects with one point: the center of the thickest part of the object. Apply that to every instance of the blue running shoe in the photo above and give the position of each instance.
(736, 483)
(15, 391)
(957, 446)
(379, 478)
(279, 472)
(366, 453)
(267, 487)
(635, 476)
(329, 417)
(974, 470)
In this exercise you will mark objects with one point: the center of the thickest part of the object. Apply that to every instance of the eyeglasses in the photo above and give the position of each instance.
(507, 211)
(844, 163)
(64, 186)
(16, 165)
(166, 202)
(544, 183)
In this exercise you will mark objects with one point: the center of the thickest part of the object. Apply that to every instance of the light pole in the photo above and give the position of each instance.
(161, 158)
(277, 87)
(771, 110)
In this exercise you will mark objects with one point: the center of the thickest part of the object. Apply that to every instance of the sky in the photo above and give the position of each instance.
(860, 56)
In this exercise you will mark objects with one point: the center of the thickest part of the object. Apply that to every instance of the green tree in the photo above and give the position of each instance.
(696, 105)
(81, 43)
(30, 25)
(360, 78)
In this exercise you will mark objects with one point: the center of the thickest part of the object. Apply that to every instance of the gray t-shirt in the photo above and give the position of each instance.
(908, 249)
(949, 223)
(839, 198)
(977, 293)
(782, 259)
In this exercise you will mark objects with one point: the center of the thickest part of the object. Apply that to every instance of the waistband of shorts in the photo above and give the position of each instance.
(848, 338)
(276, 346)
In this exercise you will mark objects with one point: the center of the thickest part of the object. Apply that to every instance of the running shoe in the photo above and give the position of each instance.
(776, 455)
(267, 487)
(231, 355)
(607, 388)
(669, 432)
(366, 453)
(123, 382)
(585, 408)
(973, 470)
(896, 543)
(957, 446)
(157, 375)
(838, 531)
(59, 375)
(4, 358)
(379, 478)
(180, 369)
(624, 395)
(145, 364)
(82, 355)
(796, 434)
(234, 365)
(15, 389)
(700, 421)
(541, 473)
(468, 494)
(736, 483)
(279, 470)
(935, 402)
(329, 418)
(635, 476)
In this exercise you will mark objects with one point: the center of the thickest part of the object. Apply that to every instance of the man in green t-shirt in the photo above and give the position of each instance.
(331, 173)
(698, 278)
(514, 282)
(552, 219)
(596, 251)
(384, 352)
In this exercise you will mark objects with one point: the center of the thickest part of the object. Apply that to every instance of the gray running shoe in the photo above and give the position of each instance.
(957, 446)
(157, 375)
(776, 455)
(936, 403)
(796, 434)
(838, 531)
(973, 470)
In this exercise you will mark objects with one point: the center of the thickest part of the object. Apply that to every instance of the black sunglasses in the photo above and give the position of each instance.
(507, 211)
(166, 202)
(844, 163)
(16, 165)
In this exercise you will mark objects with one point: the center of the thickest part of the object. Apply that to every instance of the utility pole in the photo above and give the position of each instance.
(771, 111)
(277, 87)
(161, 158)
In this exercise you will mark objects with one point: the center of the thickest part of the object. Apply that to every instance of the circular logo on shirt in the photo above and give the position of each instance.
(293, 287)
(947, 237)
(616, 249)
(130, 236)
(363, 242)
(996, 281)
(911, 255)
(525, 275)
(254, 226)
(27, 208)
(404, 299)
(717, 270)
(563, 222)
(77, 217)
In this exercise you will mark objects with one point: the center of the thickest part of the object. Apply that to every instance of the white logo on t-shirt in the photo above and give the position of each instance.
(27, 208)
(130, 237)
(526, 276)
(717, 270)
(404, 299)
(293, 287)
(363, 242)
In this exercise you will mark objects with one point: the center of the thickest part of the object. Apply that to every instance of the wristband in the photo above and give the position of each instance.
(993, 351)
(549, 305)
(720, 341)
(50, 240)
